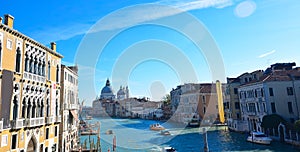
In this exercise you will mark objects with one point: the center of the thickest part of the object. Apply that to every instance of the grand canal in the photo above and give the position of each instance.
(133, 135)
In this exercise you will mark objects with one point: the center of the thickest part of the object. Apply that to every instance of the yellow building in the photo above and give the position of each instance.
(29, 92)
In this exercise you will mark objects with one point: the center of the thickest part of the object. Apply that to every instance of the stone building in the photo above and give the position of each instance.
(29, 92)
(69, 109)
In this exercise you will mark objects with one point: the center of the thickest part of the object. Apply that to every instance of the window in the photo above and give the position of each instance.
(271, 92)
(46, 149)
(9, 44)
(273, 108)
(49, 70)
(14, 141)
(238, 116)
(57, 74)
(237, 105)
(290, 91)
(47, 133)
(235, 90)
(204, 110)
(264, 106)
(55, 131)
(203, 99)
(4, 140)
(257, 107)
(290, 107)
(18, 60)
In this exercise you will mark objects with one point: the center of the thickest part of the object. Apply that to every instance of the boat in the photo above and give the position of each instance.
(169, 149)
(109, 132)
(88, 132)
(165, 132)
(88, 117)
(259, 138)
(194, 122)
(156, 127)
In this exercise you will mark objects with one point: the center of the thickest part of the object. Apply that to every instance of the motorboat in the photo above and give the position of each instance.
(165, 132)
(259, 138)
(109, 132)
(88, 117)
(169, 149)
(194, 122)
(156, 127)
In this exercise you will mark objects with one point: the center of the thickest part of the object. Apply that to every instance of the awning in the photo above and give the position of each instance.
(74, 114)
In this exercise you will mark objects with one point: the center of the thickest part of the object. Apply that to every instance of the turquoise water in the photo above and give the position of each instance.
(133, 135)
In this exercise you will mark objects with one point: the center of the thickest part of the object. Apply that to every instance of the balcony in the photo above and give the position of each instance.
(49, 120)
(17, 124)
(1, 125)
(34, 77)
(33, 122)
(71, 106)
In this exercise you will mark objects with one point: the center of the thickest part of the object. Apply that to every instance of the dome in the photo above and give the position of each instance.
(107, 89)
(121, 92)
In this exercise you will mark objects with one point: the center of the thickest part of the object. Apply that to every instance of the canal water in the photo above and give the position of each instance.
(133, 135)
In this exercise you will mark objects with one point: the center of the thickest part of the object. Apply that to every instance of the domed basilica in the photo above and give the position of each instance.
(107, 92)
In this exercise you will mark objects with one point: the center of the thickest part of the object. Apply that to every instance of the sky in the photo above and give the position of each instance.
(152, 46)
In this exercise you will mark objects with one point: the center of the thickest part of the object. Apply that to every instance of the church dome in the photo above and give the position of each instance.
(121, 91)
(107, 89)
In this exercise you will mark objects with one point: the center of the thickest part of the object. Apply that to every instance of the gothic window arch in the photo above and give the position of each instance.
(49, 70)
(56, 108)
(48, 108)
(57, 74)
(43, 68)
(26, 62)
(24, 108)
(28, 108)
(35, 66)
(42, 108)
(18, 60)
(33, 109)
(15, 107)
(31, 64)
(38, 108)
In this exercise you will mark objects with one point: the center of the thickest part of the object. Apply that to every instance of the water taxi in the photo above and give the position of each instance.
(109, 132)
(165, 132)
(157, 127)
(259, 138)
(169, 149)
(88, 117)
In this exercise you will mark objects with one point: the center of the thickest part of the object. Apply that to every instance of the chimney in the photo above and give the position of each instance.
(9, 20)
(53, 46)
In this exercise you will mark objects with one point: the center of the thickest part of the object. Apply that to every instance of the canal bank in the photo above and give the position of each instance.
(133, 135)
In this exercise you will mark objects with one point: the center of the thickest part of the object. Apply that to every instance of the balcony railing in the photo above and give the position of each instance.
(49, 120)
(34, 77)
(1, 125)
(71, 106)
(33, 122)
(17, 124)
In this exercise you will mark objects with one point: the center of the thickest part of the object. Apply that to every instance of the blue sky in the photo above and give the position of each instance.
(250, 35)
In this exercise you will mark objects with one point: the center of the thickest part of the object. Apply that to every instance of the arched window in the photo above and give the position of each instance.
(15, 108)
(33, 109)
(48, 108)
(36, 66)
(43, 68)
(18, 60)
(31, 65)
(40, 68)
(26, 63)
(24, 108)
(28, 108)
(56, 108)
(57, 74)
(38, 108)
(42, 108)
(49, 70)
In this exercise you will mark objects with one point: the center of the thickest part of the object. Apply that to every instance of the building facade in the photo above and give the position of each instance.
(232, 102)
(69, 109)
(30, 92)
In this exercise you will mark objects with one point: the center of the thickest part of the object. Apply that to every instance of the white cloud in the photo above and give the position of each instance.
(138, 14)
(266, 54)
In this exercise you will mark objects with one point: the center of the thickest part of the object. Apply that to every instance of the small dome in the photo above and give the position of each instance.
(121, 92)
